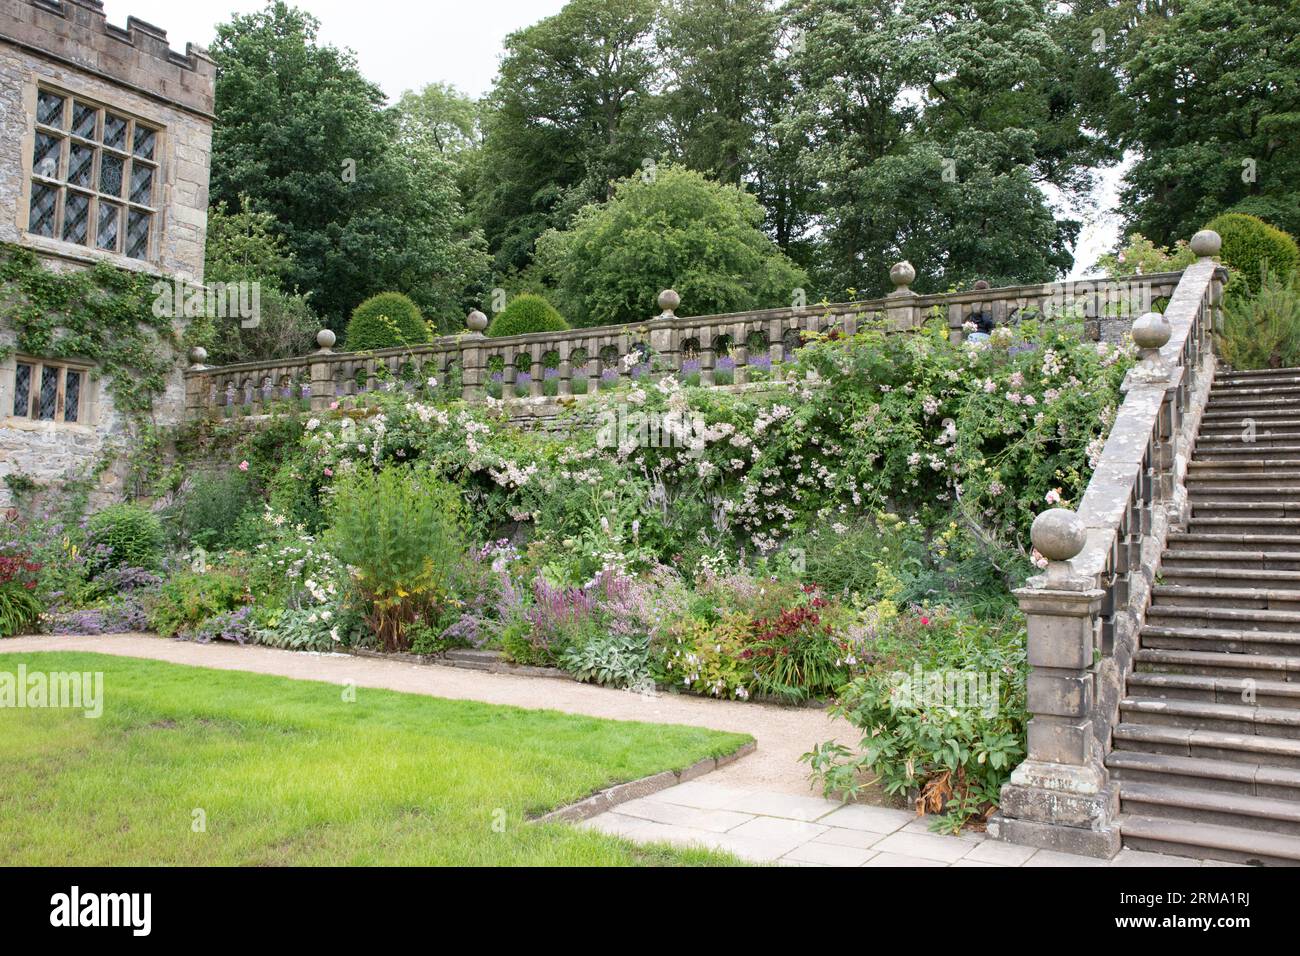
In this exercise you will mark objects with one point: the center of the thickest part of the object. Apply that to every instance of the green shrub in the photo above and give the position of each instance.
(400, 532)
(20, 602)
(1263, 330)
(941, 708)
(385, 321)
(188, 599)
(1249, 243)
(526, 313)
(125, 536)
(213, 510)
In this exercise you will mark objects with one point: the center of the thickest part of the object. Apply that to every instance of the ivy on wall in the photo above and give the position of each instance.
(103, 314)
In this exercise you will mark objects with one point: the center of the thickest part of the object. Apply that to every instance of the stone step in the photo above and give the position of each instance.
(1253, 428)
(1242, 466)
(1240, 524)
(1225, 371)
(1229, 577)
(1255, 512)
(1229, 541)
(1223, 417)
(1244, 450)
(1171, 629)
(1208, 744)
(1277, 666)
(1208, 841)
(1222, 776)
(1263, 439)
(1223, 403)
(1214, 690)
(1267, 388)
(1255, 624)
(1263, 486)
(1246, 598)
(1211, 807)
(1270, 560)
(1235, 718)
(1230, 472)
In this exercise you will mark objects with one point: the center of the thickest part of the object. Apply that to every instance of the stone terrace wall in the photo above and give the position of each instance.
(543, 371)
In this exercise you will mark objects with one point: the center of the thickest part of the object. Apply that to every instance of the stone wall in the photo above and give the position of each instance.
(69, 47)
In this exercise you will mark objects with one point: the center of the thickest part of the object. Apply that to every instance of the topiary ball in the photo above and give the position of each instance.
(124, 536)
(1249, 242)
(385, 321)
(526, 313)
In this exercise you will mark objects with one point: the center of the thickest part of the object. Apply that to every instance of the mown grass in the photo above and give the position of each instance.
(287, 772)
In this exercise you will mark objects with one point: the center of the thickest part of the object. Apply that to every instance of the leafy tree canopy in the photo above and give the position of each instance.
(674, 229)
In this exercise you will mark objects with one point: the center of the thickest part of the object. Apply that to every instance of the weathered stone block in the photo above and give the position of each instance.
(1060, 740)
(1060, 694)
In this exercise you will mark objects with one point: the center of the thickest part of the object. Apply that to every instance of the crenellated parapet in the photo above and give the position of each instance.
(138, 55)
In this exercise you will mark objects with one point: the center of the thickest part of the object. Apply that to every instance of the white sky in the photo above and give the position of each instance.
(400, 44)
(406, 44)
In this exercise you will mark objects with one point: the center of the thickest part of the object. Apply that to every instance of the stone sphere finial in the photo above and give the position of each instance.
(902, 274)
(476, 321)
(981, 285)
(198, 356)
(1151, 332)
(669, 300)
(1058, 534)
(1206, 244)
(326, 338)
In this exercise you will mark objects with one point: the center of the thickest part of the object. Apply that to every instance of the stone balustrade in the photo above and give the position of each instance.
(733, 349)
(1083, 615)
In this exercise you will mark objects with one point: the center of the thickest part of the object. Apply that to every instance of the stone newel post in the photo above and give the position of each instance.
(197, 386)
(902, 311)
(1059, 798)
(322, 377)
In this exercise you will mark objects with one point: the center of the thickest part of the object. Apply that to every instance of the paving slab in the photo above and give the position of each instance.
(842, 836)
(897, 859)
(715, 821)
(926, 846)
(873, 819)
(828, 854)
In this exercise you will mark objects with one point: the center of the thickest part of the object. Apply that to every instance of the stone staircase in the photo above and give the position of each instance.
(1207, 752)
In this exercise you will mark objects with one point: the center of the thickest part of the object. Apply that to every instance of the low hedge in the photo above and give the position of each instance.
(526, 313)
(387, 320)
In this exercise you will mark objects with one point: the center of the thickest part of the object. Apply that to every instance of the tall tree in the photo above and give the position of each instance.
(1209, 100)
(923, 124)
(718, 55)
(442, 116)
(309, 140)
(572, 111)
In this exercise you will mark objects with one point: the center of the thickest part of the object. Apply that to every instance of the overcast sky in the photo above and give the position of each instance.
(405, 44)
(400, 44)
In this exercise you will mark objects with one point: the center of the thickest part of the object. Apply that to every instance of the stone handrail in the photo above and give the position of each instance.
(1083, 615)
(740, 347)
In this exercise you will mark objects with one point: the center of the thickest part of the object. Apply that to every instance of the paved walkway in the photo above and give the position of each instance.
(767, 826)
(760, 807)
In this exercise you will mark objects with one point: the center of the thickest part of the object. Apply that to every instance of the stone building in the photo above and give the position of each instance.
(105, 139)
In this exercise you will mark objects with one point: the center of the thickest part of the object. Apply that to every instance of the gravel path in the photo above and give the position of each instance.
(783, 733)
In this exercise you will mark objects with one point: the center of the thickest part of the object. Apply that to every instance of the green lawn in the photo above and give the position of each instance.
(287, 772)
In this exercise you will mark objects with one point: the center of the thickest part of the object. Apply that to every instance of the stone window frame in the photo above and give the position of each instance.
(63, 185)
(62, 369)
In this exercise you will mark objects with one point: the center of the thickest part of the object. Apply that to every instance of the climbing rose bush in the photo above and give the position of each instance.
(871, 423)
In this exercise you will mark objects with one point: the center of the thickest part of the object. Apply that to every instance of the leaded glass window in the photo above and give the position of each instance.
(94, 176)
(23, 390)
(49, 391)
(48, 400)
